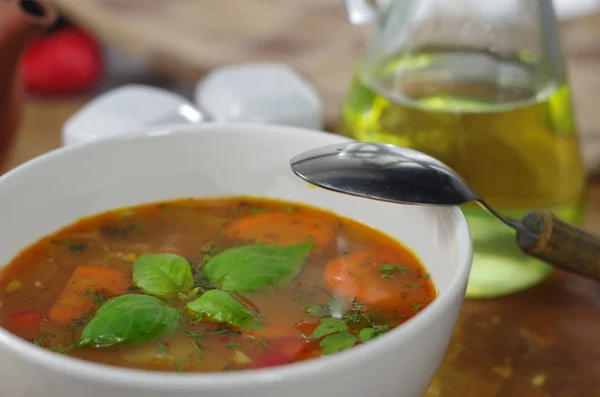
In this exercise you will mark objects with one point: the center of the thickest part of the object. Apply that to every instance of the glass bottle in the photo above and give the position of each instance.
(481, 86)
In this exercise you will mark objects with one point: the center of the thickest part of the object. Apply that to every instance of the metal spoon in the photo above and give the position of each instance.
(390, 173)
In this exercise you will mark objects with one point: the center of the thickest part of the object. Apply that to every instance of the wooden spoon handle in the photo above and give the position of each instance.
(548, 238)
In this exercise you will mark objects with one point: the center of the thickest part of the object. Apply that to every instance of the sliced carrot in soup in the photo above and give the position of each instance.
(376, 279)
(282, 228)
(74, 301)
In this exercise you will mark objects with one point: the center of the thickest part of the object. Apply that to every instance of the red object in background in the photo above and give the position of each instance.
(28, 319)
(66, 61)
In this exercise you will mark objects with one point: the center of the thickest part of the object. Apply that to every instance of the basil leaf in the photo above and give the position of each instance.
(253, 267)
(318, 310)
(220, 307)
(129, 319)
(162, 275)
(329, 326)
(366, 334)
(337, 342)
(369, 333)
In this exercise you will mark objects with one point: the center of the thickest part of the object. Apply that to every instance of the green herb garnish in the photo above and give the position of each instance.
(220, 307)
(257, 210)
(163, 275)
(389, 270)
(62, 348)
(329, 326)
(337, 342)
(41, 341)
(79, 322)
(162, 348)
(120, 231)
(98, 297)
(223, 331)
(369, 333)
(194, 337)
(356, 314)
(129, 320)
(253, 267)
(77, 248)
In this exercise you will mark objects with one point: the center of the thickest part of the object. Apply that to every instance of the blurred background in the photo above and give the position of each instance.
(173, 44)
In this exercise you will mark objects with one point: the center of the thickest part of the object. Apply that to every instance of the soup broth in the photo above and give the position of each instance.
(204, 285)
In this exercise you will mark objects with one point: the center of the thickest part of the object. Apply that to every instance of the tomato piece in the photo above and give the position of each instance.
(292, 347)
(283, 351)
(27, 319)
(271, 358)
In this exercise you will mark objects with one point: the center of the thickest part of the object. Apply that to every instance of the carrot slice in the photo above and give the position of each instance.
(361, 276)
(74, 302)
(282, 228)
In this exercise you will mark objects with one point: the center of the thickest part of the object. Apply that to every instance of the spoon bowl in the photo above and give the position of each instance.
(383, 172)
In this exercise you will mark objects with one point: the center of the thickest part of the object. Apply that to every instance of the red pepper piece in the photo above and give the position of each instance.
(283, 351)
(271, 358)
(27, 319)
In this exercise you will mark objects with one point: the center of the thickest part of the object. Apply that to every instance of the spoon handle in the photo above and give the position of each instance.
(569, 248)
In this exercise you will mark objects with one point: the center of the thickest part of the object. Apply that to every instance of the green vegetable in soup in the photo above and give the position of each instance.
(257, 266)
(163, 275)
(369, 333)
(129, 320)
(329, 326)
(335, 335)
(219, 306)
(337, 342)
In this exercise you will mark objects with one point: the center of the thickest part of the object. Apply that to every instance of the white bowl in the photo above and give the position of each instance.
(55, 189)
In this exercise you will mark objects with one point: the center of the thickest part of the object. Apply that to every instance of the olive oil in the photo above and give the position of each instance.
(501, 123)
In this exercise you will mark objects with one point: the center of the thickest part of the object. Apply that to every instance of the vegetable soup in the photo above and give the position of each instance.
(203, 285)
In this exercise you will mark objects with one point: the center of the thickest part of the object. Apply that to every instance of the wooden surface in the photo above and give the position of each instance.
(540, 343)
(187, 38)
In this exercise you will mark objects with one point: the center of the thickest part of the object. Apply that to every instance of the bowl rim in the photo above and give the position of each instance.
(82, 369)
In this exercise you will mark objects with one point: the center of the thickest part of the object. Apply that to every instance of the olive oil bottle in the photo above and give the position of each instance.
(505, 124)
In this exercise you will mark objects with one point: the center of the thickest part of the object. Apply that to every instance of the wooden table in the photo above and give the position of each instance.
(542, 342)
